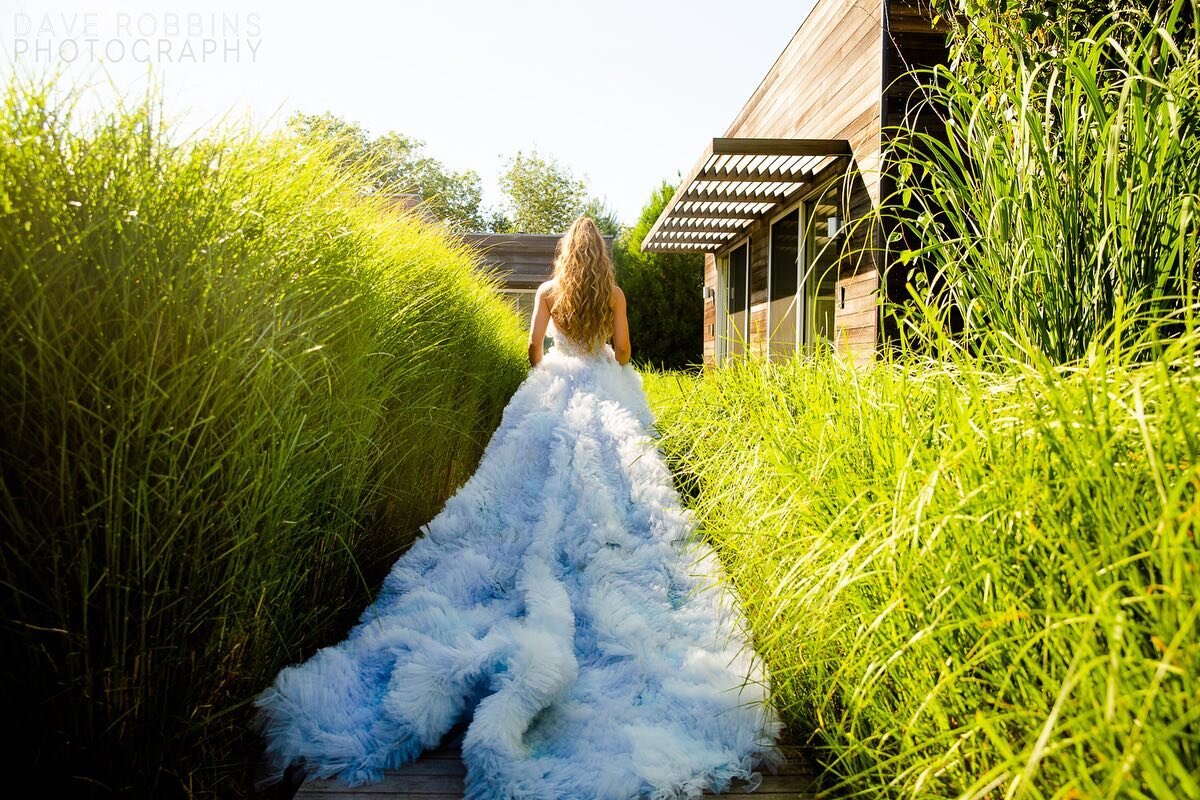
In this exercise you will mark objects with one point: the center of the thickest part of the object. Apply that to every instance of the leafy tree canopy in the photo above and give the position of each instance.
(543, 195)
(605, 217)
(990, 40)
(398, 164)
(666, 307)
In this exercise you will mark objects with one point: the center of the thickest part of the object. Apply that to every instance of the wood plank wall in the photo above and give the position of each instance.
(856, 315)
(521, 260)
(827, 83)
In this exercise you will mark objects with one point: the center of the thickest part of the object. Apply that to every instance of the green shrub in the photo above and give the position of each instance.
(666, 313)
(968, 582)
(233, 387)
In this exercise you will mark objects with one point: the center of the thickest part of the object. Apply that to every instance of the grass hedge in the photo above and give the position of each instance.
(969, 580)
(233, 387)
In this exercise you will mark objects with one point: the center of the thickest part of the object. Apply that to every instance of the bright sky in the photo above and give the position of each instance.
(623, 93)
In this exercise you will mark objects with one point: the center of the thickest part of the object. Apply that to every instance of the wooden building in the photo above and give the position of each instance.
(777, 203)
(412, 203)
(522, 261)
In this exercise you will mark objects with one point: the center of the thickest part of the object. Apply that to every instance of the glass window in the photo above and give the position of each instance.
(785, 249)
(736, 274)
(784, 256)
(522, 301)
(822, 259)
(737, 279)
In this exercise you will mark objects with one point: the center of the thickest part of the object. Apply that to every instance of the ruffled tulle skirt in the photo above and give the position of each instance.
(561, 604)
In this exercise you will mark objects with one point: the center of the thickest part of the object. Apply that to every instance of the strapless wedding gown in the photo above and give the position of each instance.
(560, 603)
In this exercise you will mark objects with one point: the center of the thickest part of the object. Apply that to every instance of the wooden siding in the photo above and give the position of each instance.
(856, 313)
(856, 319)
(521, 260)
(843, 76)
(758, 329)
(826, 84)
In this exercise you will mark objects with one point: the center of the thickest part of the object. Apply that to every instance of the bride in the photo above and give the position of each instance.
(560, 603)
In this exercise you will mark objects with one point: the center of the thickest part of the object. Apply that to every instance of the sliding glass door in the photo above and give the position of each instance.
(803, 249)
(803, 273)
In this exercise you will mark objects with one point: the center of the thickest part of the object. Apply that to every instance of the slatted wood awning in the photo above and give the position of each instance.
(735, 182)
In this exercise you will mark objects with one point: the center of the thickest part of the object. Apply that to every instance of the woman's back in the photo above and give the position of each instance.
(616, 299)
(582, 298)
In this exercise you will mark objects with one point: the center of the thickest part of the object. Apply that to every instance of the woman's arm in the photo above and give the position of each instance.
(538, 325)
(621, 347)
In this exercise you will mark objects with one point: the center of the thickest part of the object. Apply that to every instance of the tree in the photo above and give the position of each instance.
(666, 307)
(604, 217)
(396, 163)
(543, 195)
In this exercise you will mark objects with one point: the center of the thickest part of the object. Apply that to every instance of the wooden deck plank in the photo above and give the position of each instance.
(423, 782)
(440, 773)
(349, 794)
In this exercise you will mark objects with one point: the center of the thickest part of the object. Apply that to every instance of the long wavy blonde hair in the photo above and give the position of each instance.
(581, 300)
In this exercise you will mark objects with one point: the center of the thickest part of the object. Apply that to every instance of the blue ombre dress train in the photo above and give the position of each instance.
(559, 603)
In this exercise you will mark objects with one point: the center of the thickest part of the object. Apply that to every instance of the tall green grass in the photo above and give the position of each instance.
(968, 581)
(978, 576)
(1064, 191)
(233, 387)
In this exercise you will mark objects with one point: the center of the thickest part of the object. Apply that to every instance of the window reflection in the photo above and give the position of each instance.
(785, 252)
(822, 262)
(736, 275)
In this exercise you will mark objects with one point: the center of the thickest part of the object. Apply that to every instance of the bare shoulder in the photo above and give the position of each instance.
(545, 288)
(618, 296)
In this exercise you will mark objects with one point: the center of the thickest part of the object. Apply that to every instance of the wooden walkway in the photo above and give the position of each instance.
(439, 775)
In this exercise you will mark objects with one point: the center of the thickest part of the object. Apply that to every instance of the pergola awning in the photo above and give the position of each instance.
(735, 182)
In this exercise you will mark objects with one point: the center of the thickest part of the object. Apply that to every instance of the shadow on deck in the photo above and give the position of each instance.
(439, 774)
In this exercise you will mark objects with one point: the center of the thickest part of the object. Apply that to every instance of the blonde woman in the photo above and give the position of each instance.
(558, 610)
(582, 297)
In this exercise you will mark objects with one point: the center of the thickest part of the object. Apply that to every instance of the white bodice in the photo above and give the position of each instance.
(570, 347)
